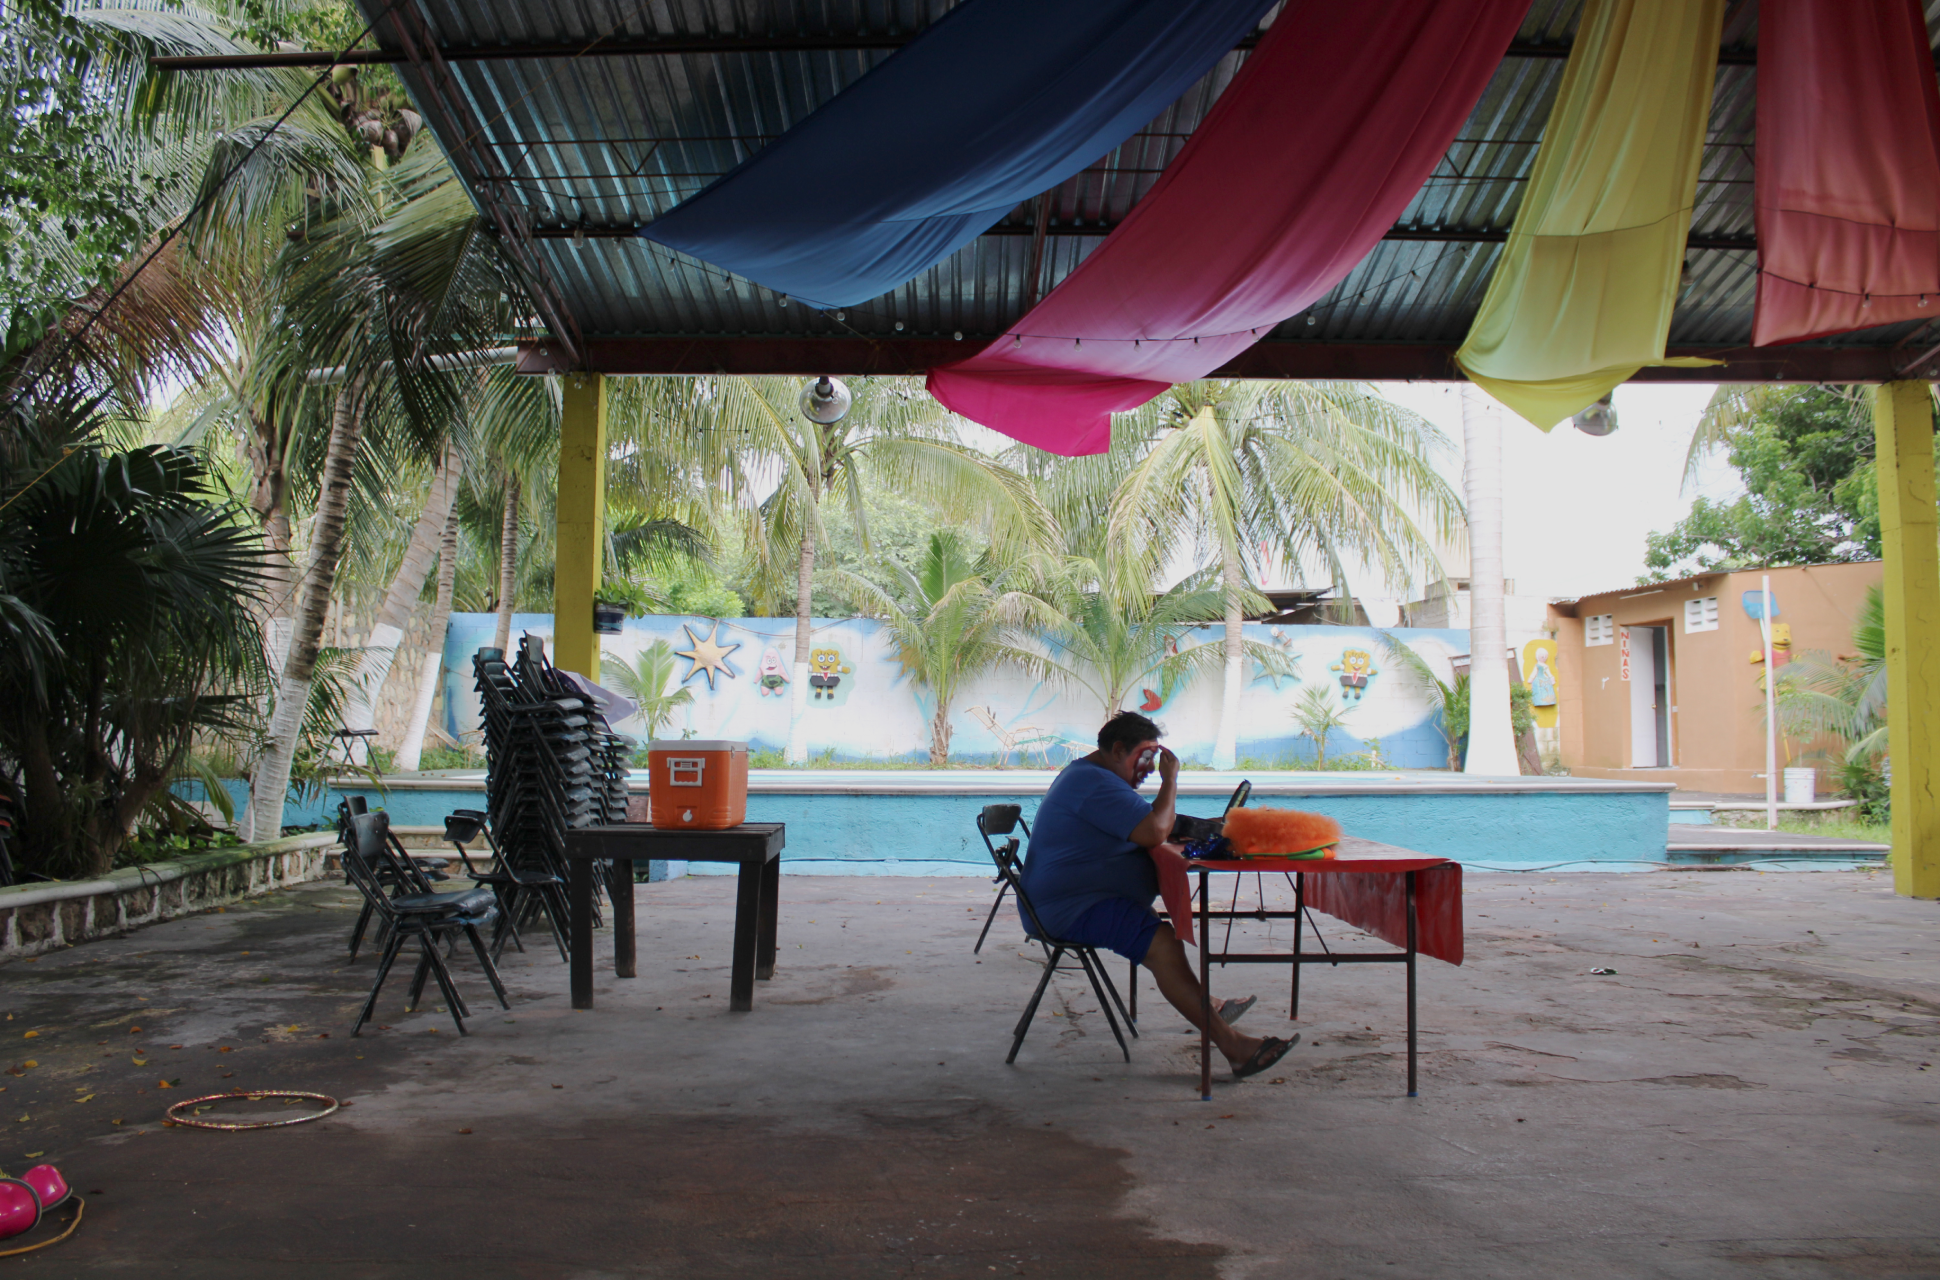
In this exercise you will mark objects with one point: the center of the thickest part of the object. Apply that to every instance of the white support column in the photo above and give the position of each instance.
(1491, 743)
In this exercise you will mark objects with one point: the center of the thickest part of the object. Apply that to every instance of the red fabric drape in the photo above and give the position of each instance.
(1308, 157)
(1379, 904)
(1848, 168)
(1368, 891)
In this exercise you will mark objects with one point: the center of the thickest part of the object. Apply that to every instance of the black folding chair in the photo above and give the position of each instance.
(1056, 949)
(519, 892)
(427, 917)
(400, 874)
(1000, 820)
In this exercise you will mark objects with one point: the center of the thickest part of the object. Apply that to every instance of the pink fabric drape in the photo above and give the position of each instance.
(1848, 168)
(1308, 157)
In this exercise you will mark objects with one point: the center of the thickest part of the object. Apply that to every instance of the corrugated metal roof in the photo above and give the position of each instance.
(607, 143)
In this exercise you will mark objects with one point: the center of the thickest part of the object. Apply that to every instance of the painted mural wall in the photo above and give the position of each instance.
(862, 706)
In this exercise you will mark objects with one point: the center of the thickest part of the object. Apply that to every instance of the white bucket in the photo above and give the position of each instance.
(1801, 786)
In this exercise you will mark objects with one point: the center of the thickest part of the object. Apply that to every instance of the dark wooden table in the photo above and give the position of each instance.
(756, 846)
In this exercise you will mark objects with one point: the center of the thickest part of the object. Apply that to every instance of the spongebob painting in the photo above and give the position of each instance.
(1356, 667)
(826, 672)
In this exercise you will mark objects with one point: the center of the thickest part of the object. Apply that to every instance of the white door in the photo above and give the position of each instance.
(1643, 698)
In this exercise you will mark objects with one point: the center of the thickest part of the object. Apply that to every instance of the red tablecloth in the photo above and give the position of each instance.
(1362, 885)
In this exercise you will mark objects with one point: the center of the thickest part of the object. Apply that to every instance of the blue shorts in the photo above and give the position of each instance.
(1116, 924)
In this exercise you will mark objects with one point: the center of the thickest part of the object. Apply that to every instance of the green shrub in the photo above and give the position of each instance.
(458, 757)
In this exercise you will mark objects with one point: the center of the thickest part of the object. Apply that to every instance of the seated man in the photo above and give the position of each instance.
(1091, 878)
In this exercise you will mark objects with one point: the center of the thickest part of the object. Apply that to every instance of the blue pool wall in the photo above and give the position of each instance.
(932, 832)
(877, 713)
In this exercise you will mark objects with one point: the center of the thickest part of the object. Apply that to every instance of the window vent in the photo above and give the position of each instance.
(1701, 615)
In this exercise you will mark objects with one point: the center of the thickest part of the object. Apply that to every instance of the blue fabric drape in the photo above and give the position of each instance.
(994, 103)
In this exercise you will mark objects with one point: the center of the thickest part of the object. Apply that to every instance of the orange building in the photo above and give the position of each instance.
(1665, 681)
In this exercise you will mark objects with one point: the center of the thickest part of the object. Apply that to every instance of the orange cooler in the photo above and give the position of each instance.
(698, 785)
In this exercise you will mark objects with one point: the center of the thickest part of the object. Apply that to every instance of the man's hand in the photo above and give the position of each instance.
(1157, 827)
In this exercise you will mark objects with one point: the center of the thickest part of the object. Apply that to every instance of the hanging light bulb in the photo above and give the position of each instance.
(841, 315)
(1599, 419)
(826, 400)
(899, 326)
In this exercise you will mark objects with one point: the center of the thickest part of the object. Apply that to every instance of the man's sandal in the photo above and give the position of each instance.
(1271, 1050)
(1231, 1011)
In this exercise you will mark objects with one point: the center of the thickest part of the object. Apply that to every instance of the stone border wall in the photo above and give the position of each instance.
(40, 917)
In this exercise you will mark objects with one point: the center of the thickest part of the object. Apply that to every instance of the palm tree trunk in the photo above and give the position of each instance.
(270, 784)
(798, 692)
(411, 752)
(940, 732)
(508, 565)
(387, 632)
(268, 498)
(1226, 745)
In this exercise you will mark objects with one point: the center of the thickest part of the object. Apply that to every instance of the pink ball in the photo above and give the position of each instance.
(48, 1184)
(19, 1207)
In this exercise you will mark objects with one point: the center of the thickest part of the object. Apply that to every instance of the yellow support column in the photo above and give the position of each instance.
(1903, 429)
(582, 524)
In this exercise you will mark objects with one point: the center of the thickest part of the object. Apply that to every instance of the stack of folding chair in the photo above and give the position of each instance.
(553, 763)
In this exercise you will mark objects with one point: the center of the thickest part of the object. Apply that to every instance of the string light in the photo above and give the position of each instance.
(958, 335)
(899, 326)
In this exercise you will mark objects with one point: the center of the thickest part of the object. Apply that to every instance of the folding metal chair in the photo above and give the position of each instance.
(1000, 820)
(401, 874)
(1056, 949)
(519, 893)
(427, 917)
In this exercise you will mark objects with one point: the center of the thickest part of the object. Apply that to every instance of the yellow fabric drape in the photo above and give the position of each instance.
(1582, 296)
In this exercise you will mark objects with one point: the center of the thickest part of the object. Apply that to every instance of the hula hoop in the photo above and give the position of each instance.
(252, 1095)
(80, 1207)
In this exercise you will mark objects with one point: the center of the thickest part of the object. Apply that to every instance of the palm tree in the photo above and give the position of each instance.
(894, 434)
(1449, 698)
(646, 680)
(379, 302)
(1234, 471)
(1319, 714)
(951, 621)
(125, 627)
(1844, 697)
(1114, 641)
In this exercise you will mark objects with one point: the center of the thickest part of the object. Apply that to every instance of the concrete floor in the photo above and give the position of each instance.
(1751, 1094)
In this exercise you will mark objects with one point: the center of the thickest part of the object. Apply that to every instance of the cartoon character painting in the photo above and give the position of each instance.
(772, 674)
(825, 672)
(1356, 667)
(1539, 659)
(1542, 681)
(1781, 646)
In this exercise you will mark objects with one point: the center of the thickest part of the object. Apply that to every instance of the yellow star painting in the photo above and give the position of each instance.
(708, 655)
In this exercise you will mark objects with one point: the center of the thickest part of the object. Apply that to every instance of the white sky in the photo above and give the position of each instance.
(1577, 507)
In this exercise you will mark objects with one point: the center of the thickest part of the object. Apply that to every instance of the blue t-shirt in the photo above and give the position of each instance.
(1081, 852)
